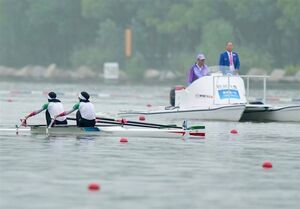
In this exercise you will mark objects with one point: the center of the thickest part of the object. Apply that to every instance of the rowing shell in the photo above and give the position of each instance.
(117, 131)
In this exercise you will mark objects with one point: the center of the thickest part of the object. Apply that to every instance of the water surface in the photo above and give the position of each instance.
(220, 171)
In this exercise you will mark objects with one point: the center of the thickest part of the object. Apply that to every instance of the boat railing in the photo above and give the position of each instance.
(247, 77)
(228, 86)
(264, 77)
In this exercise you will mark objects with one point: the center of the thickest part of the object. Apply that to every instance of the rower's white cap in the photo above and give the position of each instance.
(84, 95)
(200, 57)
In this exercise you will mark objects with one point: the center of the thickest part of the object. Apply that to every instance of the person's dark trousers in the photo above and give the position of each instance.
(81, 122)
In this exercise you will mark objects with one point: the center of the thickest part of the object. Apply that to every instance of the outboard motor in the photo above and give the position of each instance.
(172, 96)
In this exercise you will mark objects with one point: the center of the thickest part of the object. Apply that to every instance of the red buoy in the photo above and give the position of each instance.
(94, 187)
(233, 131)
(142, 118)
(149, 105)
(267, 165)
(123, 140)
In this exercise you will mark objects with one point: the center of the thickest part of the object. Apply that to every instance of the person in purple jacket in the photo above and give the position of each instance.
(198, 70)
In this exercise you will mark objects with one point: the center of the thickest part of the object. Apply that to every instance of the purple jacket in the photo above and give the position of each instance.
(196, 72)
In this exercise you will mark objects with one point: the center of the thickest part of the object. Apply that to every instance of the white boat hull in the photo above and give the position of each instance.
(265, 113)
(221, 113)
(215, 97)
(119, 131)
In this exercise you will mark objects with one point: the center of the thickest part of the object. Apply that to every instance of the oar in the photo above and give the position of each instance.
(150, 125)
(23, 123)
(50, 125)
(139, 123)
(17, 128)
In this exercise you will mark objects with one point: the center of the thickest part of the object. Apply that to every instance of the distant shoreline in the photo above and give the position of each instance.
(84, 74)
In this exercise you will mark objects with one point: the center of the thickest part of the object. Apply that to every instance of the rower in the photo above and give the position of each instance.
(85, 116)
(52, 107)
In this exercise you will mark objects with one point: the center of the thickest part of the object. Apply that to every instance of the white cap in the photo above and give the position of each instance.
(200, 57)
(84, 95)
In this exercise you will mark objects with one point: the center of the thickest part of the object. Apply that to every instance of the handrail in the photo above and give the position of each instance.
(264, 77)
(228, 86)
(254, 76)
(264, 84)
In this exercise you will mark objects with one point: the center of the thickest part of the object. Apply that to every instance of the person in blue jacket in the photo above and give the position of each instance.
(229, 60)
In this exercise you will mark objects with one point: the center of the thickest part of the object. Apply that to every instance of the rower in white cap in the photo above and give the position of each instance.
(85, 116)
(52, 107)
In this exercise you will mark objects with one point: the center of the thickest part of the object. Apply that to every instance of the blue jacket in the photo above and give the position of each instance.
(224, 60)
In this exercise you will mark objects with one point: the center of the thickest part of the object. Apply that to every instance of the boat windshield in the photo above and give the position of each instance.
(223, 70)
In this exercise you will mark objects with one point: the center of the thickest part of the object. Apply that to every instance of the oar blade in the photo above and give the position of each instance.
(196, 127)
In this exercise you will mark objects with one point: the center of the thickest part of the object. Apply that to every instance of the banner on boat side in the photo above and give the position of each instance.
(229, 93)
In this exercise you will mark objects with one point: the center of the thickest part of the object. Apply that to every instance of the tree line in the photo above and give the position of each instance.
(166, 34)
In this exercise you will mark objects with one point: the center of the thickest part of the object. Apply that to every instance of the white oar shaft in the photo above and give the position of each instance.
(48, 127)
(17, 129)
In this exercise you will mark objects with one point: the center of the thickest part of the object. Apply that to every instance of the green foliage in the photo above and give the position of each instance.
(41, 32)
(92, 57)
(291, 15)
(251, 57)
(109, 40)
(105, 49)
(135, 67)
(182, 61)
(167, 34)
(292, 70)
(217, 34)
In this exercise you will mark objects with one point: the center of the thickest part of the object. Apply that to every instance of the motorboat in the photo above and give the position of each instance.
(218, 97)
(268, 113)
(260, 111)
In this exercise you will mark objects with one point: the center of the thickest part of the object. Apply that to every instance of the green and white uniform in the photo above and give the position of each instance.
(55, 108)
(86, 109)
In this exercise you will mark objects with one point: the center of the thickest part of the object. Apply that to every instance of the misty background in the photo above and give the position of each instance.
(81, 35)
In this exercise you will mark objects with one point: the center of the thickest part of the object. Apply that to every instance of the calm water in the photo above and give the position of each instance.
(220, 171)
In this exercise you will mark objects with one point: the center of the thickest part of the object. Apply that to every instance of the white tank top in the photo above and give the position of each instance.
(55, 108)
(87, 110)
